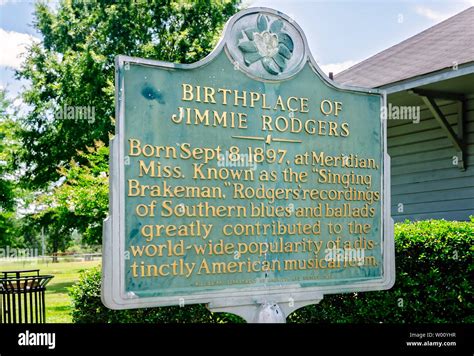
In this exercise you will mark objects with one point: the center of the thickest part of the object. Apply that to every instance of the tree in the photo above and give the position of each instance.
(9, 145)
(79, 201)
(73, 66)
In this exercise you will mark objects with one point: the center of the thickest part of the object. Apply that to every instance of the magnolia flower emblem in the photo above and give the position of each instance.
(267, 43)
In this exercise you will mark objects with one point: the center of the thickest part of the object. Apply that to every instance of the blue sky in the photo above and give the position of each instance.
(340, 33)
(343, 32)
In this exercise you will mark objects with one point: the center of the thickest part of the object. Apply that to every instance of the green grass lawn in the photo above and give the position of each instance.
(58, 303)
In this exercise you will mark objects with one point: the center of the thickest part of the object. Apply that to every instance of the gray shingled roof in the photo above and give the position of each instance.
(439, 47)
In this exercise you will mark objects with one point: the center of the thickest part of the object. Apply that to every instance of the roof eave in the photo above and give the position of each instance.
(433, 77)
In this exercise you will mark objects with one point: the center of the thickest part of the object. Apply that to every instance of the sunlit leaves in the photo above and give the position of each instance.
(81, 200)
(74, 66)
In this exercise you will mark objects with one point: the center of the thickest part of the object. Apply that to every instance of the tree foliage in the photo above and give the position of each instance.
(73, 66)
(79, 201)
(9, 146)
(66, 156)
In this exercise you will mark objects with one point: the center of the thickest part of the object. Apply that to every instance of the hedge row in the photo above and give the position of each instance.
(434, 269)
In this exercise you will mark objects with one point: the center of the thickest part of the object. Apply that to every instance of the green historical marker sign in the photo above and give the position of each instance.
(245, 178)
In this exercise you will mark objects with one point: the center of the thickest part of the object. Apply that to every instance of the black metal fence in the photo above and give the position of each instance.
(22, 296)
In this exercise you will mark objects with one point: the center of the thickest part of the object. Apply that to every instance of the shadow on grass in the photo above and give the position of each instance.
(59, 308)
(59, 287)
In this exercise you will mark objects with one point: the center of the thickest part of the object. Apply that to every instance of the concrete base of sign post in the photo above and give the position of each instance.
(263, 311)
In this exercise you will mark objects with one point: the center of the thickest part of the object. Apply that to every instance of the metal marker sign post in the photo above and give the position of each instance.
(248, 181)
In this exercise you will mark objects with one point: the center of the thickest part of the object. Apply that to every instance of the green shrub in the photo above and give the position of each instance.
(434, 266)
(88, 308)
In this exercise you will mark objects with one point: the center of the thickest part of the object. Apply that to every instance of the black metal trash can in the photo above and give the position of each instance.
(22, 296)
